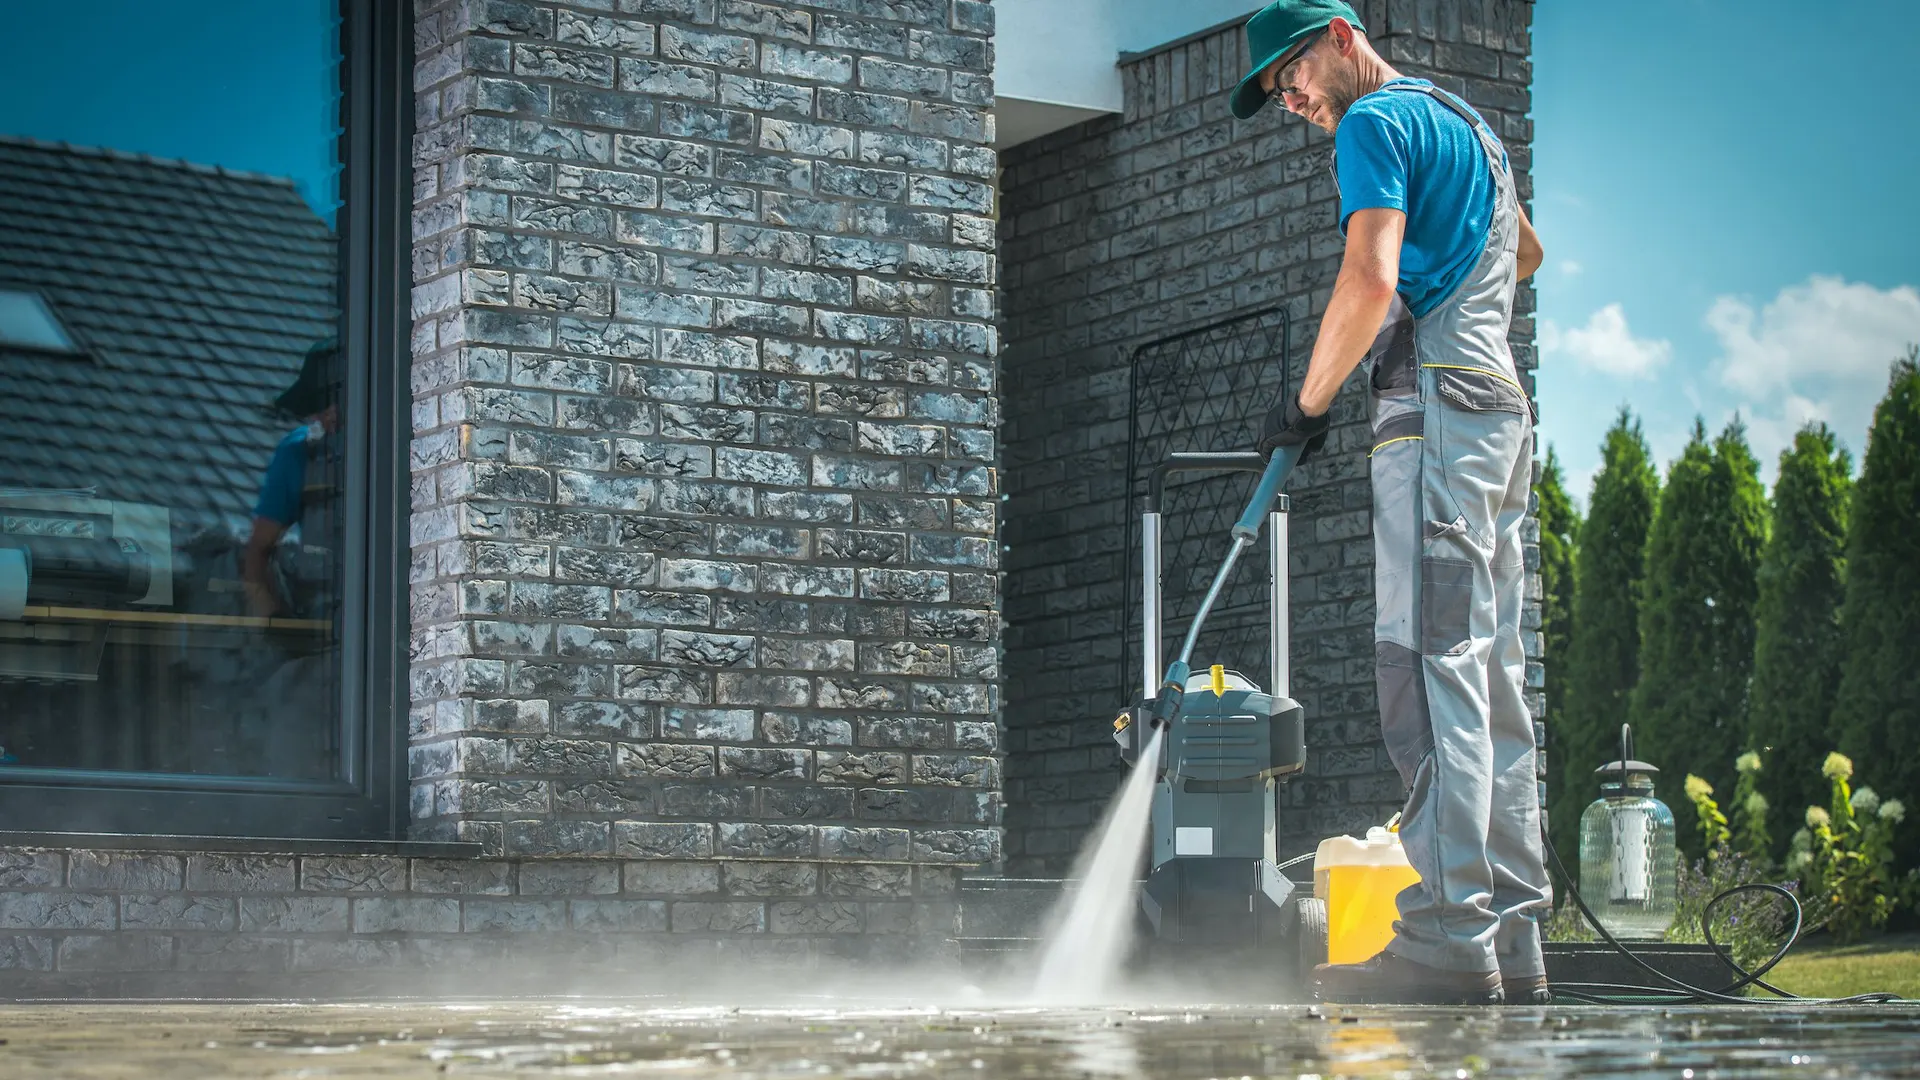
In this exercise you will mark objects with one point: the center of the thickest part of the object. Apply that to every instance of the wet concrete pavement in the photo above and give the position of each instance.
(638, 1038)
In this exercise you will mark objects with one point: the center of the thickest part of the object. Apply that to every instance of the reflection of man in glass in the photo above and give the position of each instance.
(279, 506)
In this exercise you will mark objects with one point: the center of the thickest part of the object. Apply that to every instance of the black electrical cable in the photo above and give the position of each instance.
(1677, 992)
(1682, 993)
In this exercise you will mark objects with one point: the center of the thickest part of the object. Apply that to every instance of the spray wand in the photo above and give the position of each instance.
(1165, 705)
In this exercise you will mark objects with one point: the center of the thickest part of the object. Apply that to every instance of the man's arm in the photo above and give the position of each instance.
(262, 598)
(1369, 272)
(1531, 253)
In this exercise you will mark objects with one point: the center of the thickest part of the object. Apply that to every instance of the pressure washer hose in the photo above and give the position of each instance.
(1678, 992)
(1245, 531)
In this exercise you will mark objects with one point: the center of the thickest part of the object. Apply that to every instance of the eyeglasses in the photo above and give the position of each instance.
(1278, 95)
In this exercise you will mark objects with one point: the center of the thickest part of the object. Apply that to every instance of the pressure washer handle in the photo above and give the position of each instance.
(1282, 463)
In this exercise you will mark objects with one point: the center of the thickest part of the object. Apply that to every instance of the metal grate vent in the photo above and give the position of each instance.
(1205, 389)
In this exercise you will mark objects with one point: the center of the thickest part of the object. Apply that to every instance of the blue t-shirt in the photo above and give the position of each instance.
(286, 478)
(1402, 150)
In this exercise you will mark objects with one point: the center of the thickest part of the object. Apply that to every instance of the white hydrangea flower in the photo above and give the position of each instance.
(1756, 804)
(1838, 766)
(1865, 802)
(1893, 811)
(1818, 818)
(1802, 840)
(1798, 861)
(1748, 762)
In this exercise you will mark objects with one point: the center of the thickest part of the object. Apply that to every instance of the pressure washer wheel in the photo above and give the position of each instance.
(1310, 938)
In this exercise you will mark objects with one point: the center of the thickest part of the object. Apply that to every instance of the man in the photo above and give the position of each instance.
(1435, 241)
(283, 490)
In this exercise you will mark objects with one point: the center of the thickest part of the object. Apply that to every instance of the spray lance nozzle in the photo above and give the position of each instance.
(1137, 722)
(1173, 690)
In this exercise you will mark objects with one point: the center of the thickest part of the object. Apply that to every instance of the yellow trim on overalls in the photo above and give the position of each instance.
(1515, 383)
(1390, 442)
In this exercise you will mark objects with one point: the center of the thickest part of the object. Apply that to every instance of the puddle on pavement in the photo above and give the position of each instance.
(587, 1038)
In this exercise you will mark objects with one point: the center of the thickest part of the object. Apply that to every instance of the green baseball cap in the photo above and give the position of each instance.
(1276, 29)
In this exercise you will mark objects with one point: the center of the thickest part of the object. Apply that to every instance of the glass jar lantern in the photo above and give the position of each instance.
(1629, 861)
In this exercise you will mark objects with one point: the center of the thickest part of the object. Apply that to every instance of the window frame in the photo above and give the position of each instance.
(367, 800)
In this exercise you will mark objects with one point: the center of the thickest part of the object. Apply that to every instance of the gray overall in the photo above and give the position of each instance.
(1451, 466)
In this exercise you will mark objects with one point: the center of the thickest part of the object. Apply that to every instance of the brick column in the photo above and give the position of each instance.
(704, 498)
(1169, 217)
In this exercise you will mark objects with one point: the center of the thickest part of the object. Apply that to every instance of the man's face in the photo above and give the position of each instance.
(1318, 85)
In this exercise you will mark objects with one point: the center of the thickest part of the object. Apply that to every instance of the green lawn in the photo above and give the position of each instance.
(1890, 964)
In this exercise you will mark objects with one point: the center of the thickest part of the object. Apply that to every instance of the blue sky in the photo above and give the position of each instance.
(248, 84)
(1726, 190)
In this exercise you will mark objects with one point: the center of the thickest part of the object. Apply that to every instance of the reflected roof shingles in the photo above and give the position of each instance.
(194, 293)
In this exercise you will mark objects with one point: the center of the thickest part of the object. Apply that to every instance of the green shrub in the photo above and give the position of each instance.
(1751, 924)
(1750, 836)
(1845, 858)
(1696, 615)
(1798, 644)
(1603, 644)
(1877, 712)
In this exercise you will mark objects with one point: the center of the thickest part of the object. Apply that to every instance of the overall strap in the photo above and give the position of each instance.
(1465, 112)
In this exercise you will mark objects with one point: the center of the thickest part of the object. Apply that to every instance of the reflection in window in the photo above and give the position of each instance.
(170, 504)
(27, 323)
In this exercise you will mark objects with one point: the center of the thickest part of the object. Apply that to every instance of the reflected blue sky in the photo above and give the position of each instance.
(247, 84)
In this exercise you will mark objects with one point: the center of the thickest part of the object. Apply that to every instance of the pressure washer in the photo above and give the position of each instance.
(1215, 887)
(1215, 880)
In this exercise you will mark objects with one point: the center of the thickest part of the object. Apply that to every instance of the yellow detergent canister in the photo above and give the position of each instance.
(1358, 880)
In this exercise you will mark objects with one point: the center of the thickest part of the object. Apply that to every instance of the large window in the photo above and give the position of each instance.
(198, 395)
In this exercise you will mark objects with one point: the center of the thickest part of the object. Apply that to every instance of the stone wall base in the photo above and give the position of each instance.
(100, 923)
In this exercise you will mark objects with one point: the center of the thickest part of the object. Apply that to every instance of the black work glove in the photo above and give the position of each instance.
(1288, 426)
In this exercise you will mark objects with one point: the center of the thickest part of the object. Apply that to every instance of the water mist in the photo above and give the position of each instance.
(1090, 929)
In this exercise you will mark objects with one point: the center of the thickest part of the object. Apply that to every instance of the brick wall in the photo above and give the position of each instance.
(1170, 217)
(177, 923)
(704, 497)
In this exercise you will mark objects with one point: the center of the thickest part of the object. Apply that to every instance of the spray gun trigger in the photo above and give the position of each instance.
(1219, 672)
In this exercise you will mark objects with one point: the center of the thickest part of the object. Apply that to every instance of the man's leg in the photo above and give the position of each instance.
(1521, 889)
(1437, 501)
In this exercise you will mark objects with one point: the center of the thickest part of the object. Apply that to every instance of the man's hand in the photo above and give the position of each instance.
(1288, 425)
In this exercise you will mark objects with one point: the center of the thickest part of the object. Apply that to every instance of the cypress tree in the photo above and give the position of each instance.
(1603, 650)
(1696, 621)
(1797, 640)
(1878, 711)
(1559, 529)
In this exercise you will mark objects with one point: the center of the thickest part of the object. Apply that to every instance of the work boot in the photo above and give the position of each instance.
(1394, 980)
(1526, 989)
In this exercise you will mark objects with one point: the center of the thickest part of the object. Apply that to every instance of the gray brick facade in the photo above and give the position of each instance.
(704, 490)
(186, 923)
(1170, 217)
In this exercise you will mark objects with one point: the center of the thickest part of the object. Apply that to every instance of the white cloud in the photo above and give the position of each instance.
(1607, 345)
(1816, 351)
(1570, 268)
